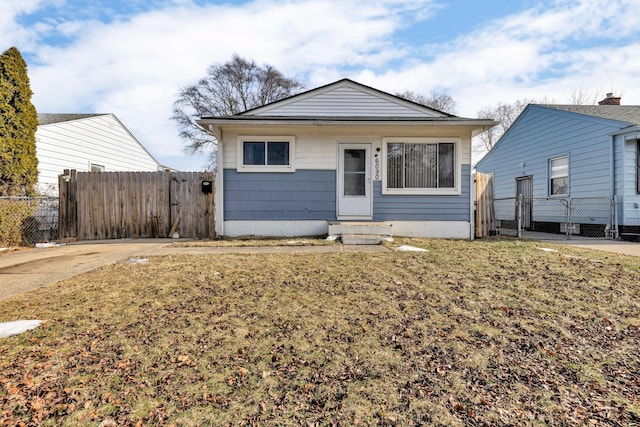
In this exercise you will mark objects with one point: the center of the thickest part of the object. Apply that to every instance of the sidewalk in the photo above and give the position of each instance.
(616, 246)
(596, 243)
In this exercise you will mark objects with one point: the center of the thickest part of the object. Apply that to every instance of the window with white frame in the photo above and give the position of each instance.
(559, 176)
(421, 166)
(266, 154)
(96, 168)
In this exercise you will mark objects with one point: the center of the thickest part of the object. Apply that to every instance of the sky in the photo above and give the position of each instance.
(131, 57)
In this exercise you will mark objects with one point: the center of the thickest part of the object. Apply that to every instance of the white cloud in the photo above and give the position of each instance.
(11, 33)
(133, 66)
(541, 52)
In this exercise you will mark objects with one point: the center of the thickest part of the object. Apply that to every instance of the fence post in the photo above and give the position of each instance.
(519, 210)
(615, 235)
(568, 218)
(67, 196)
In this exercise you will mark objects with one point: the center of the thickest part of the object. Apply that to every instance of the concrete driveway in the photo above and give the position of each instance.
(33, 268)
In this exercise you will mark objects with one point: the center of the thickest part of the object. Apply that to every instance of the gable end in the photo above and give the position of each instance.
(345, 98)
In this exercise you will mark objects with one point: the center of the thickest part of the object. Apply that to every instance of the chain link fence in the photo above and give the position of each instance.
(593, 217)
(25, 221)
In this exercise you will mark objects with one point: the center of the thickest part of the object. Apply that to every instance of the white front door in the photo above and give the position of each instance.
(354, 181)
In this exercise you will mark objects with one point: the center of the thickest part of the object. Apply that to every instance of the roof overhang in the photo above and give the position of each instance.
(630, 133)
(213, 124)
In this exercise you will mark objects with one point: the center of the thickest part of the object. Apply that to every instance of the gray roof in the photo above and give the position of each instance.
(622, 113)
(48, 119)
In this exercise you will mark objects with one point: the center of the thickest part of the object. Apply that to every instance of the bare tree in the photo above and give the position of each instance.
(230, 88)
(586, 96)
(583, 96)
(505, 115)
(437, 100)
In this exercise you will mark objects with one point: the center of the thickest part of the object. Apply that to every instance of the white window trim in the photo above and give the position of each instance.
(551, 176)
(456, 191)
(241, 167)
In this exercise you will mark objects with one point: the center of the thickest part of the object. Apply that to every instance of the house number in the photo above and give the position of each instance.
(377, 167)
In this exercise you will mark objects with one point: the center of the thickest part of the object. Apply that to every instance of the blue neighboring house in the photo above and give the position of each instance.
(572, 151)
(344, 152)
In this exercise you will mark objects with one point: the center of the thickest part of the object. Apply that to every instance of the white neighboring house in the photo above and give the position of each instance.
(86, 143)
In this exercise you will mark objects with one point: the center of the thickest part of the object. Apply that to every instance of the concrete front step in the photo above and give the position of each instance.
(360, 228)
(360, 239)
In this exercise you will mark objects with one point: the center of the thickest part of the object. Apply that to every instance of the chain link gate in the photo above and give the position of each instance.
(591, 217)
(25, 221)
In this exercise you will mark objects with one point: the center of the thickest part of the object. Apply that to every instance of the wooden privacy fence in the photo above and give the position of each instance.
(485, 216)
(115, 205)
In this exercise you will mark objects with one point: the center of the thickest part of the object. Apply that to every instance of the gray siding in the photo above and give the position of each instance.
(302, 195)
(345, 100)
(422, 208)
(544, 133)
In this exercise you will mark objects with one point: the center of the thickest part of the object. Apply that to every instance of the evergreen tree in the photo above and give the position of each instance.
(18, 123)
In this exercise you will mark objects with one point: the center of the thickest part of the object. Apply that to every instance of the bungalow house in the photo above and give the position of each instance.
(572, 153)
(87, 143)
(343, 155)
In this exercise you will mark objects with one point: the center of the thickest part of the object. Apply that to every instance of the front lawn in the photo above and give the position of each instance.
(469, 333)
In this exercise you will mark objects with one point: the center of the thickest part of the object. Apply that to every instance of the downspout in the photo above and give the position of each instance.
(612, 171)
(472, 203)
(219, 184)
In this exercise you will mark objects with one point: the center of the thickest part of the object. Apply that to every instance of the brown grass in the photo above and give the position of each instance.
(469, 333)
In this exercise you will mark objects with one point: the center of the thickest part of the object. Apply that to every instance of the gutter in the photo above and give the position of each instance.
(347, 121)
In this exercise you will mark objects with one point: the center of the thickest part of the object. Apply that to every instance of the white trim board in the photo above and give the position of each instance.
(428, 229)
(247, 228)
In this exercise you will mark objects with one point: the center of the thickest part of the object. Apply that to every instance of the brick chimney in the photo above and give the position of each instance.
(610, 100)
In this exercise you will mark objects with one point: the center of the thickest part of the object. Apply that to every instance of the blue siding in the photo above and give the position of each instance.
(302, 195)
(311, 195)
(422, 208)
(542, 133)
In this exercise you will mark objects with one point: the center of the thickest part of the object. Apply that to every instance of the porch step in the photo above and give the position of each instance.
(360, 239)
(630, 237)
(360, 228)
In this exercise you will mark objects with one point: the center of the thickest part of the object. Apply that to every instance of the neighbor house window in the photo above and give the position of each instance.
(421, 166)
(267, 154)
(559, 176)
(96, 168)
